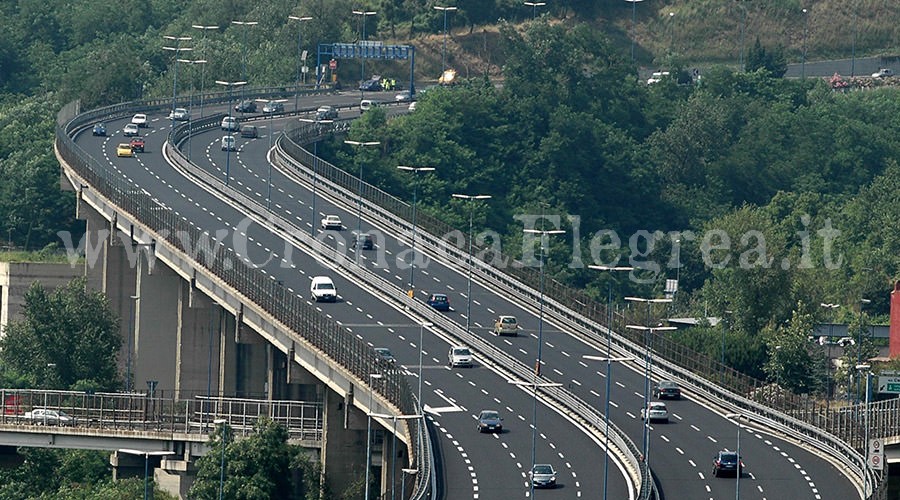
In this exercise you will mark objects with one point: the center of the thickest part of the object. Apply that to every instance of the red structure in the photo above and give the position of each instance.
(895, 321)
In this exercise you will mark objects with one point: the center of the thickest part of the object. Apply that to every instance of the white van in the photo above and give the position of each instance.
(229, 143)
(322, 289)
(367, 104)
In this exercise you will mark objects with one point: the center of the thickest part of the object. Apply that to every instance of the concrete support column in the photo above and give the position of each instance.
(194, 356)
(156, 327)
(343, 442)
(227, 363)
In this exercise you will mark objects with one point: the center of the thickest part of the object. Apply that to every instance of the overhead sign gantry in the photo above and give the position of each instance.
(362, 50)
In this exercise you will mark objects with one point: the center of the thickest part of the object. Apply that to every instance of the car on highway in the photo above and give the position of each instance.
(543, 476)
(727, 462)
(364, 241)
(439, 301)
(247, 106)
(130, 130)
(460, 355)
(180, 115)
(326, 113)
(655, 411)
(249, 131)
(490, 421)
(322, 289)
(230, 123)
(273, 107)
(140, 119)
(367, 104)
(99, 129)
(883, 73)
(412, 107)
(404, 96)
(667, 389)
(506, 325)
(229, 143)
(332, 222)
(45, 416)
(385, 354)
(137, 144)
(123, 150)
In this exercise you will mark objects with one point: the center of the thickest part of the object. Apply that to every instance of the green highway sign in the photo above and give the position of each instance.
(888, 385)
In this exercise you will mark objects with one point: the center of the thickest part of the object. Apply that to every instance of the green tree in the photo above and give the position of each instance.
(792, 362)
(68, 337)
(259, 467)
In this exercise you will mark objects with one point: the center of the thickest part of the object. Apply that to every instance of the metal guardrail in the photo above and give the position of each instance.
(115, 413)
(307, 324)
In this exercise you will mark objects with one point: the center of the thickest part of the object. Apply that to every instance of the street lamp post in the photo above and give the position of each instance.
(131, 321)
(394, 418)
(861, 368)
(224, 424)
(146, 455)
(203, 29)
(534, 384)
(412, 267)
(229, 85)
(359, 191)
(299, 20)
(177, 48)
(859, 344)
(609, 360)
(362, 15)
(315, 169)
(421, 339)
(270, 134)
(245, 24)
(470, 199)
(805, 34)
(372, 376)
(648, 365)
(832, 308)
(534, 6)
(191, 101)
(444, 46)
(537, 365)
(633, 24)
(737, 483)
(411, 472)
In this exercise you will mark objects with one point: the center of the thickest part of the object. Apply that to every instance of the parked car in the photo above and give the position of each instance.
(247, 106)
(249, 131)
(273, 107)
(727, 462)
(490, 421)
(657, 77)
(372, 85)
(137, 144)
(667, 389)
(883, 73)
(230, 123)
(140, 120)
(439, 301)
(655, 411)
(367, 104)
(543, 476)
(123, 150)
(99, 129)
(385, 354)
(44, 416)
(460, 356)
(322, 289)
(332, 222)
(506, 325)
(229, 143)
(412, 107)
(179, 114)
(130, 130)
(404, 96)
(326, 113)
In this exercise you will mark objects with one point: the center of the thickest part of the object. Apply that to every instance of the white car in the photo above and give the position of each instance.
(322, 289)
(655, 411)
(404, 96)
(460, 356)
(130, 130)
(180, 114)
(44, 416)
(883, 73)
(412, 106)
(332, 222)
(229, 143)
(230, 123)
(140, 120)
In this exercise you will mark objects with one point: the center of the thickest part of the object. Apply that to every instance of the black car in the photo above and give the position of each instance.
(245, 107)
(489, 421)
(727, 462)
(666, 389)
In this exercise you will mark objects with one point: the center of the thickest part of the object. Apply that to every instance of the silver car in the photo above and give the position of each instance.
(543, 476)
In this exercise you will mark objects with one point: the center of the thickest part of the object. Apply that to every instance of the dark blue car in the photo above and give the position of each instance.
(439, 301)
(99, 129)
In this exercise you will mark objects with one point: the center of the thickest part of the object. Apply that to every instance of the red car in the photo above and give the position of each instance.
(137, 144)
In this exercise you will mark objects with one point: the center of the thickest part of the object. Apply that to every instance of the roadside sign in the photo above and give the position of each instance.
(889, 385)
(875, 456)
(332, 64)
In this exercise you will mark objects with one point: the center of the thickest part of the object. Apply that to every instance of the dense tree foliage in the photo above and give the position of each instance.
(69, 339)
